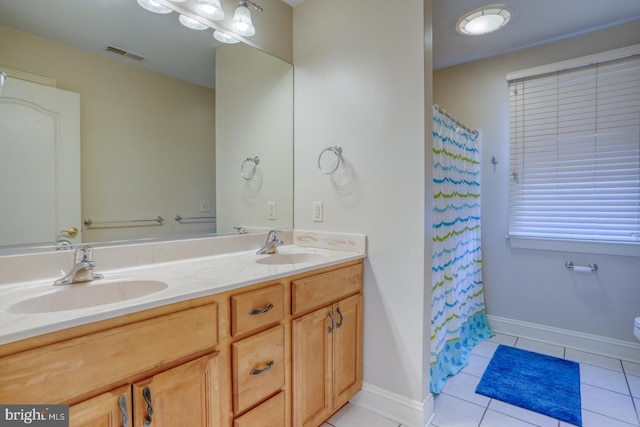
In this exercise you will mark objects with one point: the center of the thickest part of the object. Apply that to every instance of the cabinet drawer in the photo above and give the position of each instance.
(66, 371)
(257, 309)
(317, 291)
(258, 368)
(268, 414)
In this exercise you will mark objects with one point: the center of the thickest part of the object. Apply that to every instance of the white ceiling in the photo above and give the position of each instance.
(177, 51)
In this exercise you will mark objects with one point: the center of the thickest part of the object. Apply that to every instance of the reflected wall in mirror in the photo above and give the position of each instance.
(148, 144)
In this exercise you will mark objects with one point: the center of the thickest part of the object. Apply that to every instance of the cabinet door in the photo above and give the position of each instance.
(187, 395)
(312, 348)
(107, 410)
(347, 350)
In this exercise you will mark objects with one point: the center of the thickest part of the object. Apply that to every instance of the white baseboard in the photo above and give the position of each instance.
(407, 412)
(618, 349)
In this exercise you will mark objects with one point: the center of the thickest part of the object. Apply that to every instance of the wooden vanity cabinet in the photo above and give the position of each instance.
(327, 345)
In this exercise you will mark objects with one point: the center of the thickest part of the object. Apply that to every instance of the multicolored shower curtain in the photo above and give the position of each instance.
(459, 318)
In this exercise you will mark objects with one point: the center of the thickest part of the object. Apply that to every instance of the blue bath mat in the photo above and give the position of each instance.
(533, 381)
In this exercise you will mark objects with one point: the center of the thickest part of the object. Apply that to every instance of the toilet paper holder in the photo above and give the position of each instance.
(593, 266)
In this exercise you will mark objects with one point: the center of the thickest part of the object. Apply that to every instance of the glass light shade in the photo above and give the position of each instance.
(224, 37)
(209, 9)
(241, 23)
(154, 7)
(484, 20)
(191, 23)
(178, 1)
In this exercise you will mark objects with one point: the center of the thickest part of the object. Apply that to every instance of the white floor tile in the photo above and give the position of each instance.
(634, 385)
(593, 359)
(631, 368)
(503, 339)
(603, 378)
(496, 419)
(476, 366)
(608, 403)
(351, 415)
(591, 419)
(522, 414)
(463, 386)
(485, 349)
(540, 347)
(454, 412)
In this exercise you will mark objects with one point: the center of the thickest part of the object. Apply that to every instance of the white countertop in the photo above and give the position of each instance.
(186, 279)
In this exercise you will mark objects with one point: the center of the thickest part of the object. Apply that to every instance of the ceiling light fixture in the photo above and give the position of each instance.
(484, 20)
(241, 23)
(209, 9)
(154, 7)
(191, 23)
(224, 37)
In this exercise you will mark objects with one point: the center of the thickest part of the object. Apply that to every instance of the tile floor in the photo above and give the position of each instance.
(610, 392)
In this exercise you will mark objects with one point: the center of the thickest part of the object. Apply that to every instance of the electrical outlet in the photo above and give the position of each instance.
(317, 211)
(205, 206)
(271, 210)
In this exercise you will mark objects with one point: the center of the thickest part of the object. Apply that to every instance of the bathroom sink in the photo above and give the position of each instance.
(89, 294)
(291, 257)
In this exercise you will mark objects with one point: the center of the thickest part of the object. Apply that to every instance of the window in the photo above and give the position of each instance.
(575, 150)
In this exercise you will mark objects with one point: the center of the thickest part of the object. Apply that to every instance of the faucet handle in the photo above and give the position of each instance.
(83, 254)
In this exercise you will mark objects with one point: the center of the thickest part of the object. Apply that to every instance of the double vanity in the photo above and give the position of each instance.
(232, 339)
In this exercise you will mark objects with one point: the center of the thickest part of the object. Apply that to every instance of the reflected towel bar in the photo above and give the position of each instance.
(182, 219)
(124, 223)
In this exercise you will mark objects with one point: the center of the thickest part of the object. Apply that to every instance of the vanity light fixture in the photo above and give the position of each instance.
(484, 20)
(209, 9)
(224, 37)
(241, 23)
(191, 23)
(154, 7)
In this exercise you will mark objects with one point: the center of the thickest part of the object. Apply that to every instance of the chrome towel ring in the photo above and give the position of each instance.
(247, 176)
(337, 150)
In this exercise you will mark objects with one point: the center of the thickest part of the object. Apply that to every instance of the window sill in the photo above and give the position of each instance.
(591, 247)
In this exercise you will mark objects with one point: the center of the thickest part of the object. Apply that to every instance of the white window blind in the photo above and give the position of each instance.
(575, 153)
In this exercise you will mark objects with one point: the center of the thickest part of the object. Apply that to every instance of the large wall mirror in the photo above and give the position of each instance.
(178, 126)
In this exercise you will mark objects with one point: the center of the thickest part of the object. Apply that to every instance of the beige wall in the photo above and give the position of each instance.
(363, 87)
(533, 286)
(147, 140)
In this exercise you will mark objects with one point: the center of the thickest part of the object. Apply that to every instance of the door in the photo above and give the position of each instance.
(187, 395)
(347, 350)
(312, 348)
(111, 409)
(39, 163)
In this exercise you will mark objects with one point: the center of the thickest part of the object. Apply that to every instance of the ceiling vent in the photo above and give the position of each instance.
(125, 53)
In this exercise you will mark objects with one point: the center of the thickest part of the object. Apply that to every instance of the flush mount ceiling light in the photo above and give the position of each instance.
(209, 9)
(484, 20)
(154, 7)
(241, 23)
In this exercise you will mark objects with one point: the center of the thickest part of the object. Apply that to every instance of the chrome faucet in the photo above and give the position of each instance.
(82, 270)
(272, 243)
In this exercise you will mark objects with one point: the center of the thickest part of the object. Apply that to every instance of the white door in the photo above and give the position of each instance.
(39, 163)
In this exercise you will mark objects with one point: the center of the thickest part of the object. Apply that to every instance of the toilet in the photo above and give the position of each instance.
(636, 327)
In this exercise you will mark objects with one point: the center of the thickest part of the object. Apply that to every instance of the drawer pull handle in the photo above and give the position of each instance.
(257, 311)
(146, 393)
(122, 403)
(333, 322)
(264, 370)
(339, 325)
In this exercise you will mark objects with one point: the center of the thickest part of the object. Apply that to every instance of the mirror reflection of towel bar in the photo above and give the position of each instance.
(124, 223)
(593, 266)
(182, 219)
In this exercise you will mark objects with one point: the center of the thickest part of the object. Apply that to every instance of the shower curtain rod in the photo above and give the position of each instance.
(457, 122)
